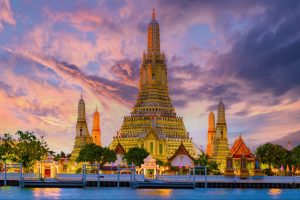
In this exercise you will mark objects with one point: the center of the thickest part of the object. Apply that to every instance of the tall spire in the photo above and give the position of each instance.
(82, 133)
(221, 112)
(81, 109)
(153, 14)
(96, 133)
(210, 133)
(211, 122)
(153, 36)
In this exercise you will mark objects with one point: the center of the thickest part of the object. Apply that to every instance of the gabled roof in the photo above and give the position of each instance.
(119, 149)
(181, 151)
(151, 134)
(239, 148)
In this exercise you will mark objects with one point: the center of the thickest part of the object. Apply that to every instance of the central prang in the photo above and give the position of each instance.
(153, 123)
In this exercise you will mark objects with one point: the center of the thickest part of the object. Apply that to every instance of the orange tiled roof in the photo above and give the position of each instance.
(239, 148)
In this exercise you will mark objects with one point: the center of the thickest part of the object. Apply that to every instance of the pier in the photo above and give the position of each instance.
(139, 181)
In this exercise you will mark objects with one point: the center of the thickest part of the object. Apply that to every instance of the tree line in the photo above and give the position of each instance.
(26, 148)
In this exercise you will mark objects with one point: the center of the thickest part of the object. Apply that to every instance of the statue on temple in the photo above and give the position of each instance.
(257, 172)
(243, 171)
(229, 171)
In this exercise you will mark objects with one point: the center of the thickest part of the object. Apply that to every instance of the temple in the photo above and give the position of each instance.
(220, 142)
(96, 133)
(240, 149)
(153, 123)
(82, 133)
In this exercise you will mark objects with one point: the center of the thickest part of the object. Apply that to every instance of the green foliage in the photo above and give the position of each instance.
(108, 156)
(272, 154)
(93, 154)
(159, 162)
(60, 155)
(202, 160)
(295, 156)
(90, 153)
(136, 155)
(212, 166)
(79, 171)
(29, 148)
(7, 148)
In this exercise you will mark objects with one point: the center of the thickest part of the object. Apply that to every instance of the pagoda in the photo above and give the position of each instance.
(153, 123)
(96, 132)
(82, 133)
(210, 133)
(220, 141)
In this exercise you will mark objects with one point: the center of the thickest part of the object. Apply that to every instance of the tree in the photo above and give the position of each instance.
(60, 155)
(93, 154)
(295, 156)
(108, 156)
(212, 166)
(29, 149)
(160, 162)
(7, 148)
(272, 154)
(136, 155)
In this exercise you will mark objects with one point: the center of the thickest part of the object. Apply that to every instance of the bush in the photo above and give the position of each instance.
(79, 171)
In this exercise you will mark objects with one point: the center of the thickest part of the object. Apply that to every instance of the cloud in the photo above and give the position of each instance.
(6, 14)
(104, 88)
(127, 71)
(247, 54)
(265, 57)
(85, 21)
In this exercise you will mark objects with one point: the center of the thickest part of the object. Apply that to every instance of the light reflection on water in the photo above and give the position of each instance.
(13, 193)
(156, 192)
(274, 192)
(39, 193)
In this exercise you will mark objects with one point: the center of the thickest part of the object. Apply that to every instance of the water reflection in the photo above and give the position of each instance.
(155, 192)
(274, 192)
(41, 193)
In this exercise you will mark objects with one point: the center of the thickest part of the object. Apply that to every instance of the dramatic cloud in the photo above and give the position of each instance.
(246, 52)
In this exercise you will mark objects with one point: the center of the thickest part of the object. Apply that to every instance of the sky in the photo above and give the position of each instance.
(247, 52)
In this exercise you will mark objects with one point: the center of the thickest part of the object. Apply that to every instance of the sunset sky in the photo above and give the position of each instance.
(247, 52)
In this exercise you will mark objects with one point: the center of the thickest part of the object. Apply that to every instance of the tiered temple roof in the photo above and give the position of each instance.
(240, 149)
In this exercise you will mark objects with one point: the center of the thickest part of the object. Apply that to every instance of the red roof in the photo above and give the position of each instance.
(240, 149)
(119, 149)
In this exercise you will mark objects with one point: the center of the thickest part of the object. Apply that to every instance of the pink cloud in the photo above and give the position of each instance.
(6, 14)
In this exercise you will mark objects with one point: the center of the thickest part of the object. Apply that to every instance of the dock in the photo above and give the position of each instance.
(162, 185)
(161, 181)
(53, 184)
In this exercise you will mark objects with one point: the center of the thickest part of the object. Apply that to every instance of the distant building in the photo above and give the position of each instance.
(289, 146)
(153, 123)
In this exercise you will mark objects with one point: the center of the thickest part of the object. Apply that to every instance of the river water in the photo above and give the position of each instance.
(127, 193)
